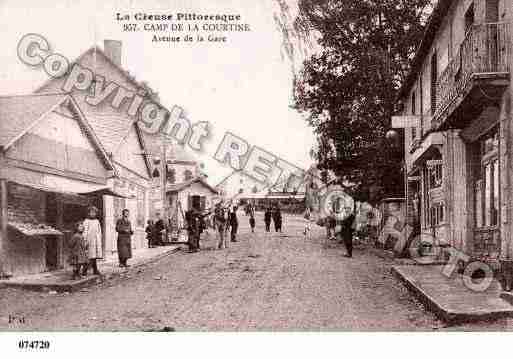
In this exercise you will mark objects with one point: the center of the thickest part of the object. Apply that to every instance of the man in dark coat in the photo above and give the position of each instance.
(277, 219)
(346, 233)
(160, 229)
(234, 224)
(125, 232)
(195, 225)
(267, 219)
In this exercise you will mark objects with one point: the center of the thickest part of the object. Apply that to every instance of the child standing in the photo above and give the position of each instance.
(78, 250)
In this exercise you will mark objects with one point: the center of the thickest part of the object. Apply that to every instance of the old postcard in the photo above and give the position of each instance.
(255, 166)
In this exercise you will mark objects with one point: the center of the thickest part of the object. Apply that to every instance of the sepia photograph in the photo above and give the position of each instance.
(270, 166)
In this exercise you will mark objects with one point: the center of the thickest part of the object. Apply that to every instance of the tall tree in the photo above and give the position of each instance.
(348, 89)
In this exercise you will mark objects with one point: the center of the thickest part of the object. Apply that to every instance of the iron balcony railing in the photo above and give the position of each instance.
(485, 50)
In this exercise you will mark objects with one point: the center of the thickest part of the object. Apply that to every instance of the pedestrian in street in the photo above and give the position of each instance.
(78, 250)
(150, 233)
(267, 219)
(234, 224)
(277, 219)
(307, 216)
(251, 214)
(220, 224)
(125, 232)
(160, 230)
(195, 225)
(93, 237)
(345, 228)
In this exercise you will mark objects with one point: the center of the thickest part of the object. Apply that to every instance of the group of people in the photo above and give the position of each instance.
(273, 214)
(86, 248)
(156, 231)
(224, 221)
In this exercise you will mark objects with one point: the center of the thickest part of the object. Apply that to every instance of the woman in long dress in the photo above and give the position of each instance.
(124, 229)
(93, 237)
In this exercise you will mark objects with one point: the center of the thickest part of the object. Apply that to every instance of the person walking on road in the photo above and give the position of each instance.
(345, 227)
(125, 232)
(234, 224)
(78, 250)
(267, 219)
(277, 219)
(150, 233)
(220, 224)
(93, 237)
(251, 213)
(195, 225)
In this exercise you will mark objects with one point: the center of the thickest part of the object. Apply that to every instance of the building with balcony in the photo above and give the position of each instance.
(458, 136)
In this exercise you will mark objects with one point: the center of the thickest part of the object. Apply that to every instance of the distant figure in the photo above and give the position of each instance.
(267, 219)
(160, 230)
(277, 219)
(252, 218)
(307, 216)
(125, 232)
(78, 250)
(194, 229)
(150, 233)
(93, 237)
(220, 224)
(234, 224)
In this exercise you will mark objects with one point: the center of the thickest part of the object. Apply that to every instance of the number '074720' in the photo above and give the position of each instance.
(34, 344)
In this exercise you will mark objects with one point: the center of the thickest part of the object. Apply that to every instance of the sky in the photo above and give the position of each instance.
(243, 86)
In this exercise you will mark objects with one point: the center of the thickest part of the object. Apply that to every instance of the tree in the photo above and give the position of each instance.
(348, 90)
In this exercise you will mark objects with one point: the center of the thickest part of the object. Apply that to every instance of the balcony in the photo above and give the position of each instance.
(475, 77)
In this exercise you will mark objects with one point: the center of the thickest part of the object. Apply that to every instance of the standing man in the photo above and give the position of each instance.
(267, 219)
(252, 218)
(125, 232)
(220, 224)
(195, 224)
(277, 219)
(345, 224)
(234, 224)
(160, 229)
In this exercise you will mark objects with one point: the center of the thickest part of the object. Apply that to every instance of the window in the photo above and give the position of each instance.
(487, 184)
(435, 173)
(436, 214)
(188, 175)
(141, 199)
(171, 175)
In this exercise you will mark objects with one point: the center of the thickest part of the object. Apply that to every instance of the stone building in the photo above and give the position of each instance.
(458, 130)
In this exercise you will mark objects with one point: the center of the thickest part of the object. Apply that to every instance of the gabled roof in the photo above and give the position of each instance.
(19, 114)
(180, 186)
(112, 130)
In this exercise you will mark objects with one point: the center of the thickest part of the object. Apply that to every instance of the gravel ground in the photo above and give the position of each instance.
(263, 282)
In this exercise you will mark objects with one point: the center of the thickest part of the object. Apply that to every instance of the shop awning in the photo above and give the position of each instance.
(426, 147)
(105, 192)
(32, 229)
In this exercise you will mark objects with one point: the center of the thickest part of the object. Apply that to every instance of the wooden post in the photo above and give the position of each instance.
(3, 223)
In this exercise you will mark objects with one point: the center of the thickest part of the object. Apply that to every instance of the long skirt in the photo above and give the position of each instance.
(124, 247)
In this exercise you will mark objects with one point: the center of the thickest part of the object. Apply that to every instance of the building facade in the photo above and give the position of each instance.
(123, 140)
(458, 131)
(52, 167)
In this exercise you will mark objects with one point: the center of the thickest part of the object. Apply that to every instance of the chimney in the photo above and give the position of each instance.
(112, 49)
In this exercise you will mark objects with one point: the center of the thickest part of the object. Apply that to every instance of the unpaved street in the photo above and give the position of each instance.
(263, 282)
